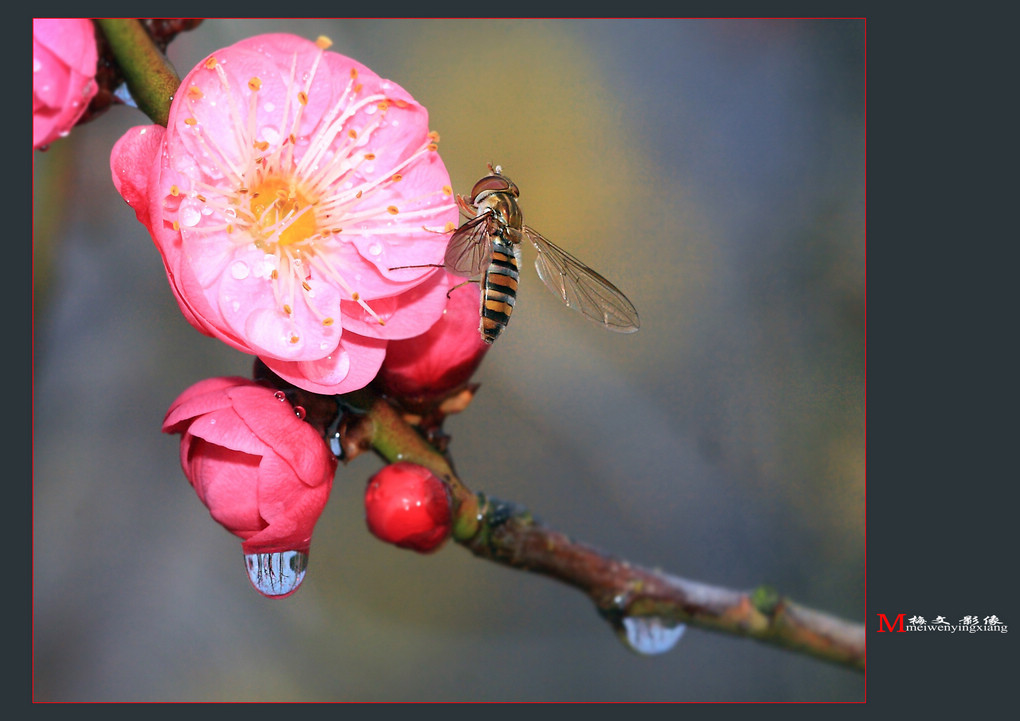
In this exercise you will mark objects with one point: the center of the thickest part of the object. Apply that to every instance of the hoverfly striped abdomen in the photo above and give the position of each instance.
(499, 291)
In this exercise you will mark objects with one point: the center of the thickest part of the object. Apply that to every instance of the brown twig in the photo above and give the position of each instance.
(621, 590)
(508, 534)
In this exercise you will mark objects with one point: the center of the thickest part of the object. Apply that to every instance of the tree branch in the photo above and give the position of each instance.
(508, 534)
(150, 77)
(622, 590)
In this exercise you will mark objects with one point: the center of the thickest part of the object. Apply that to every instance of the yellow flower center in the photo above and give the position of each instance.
(282, 212)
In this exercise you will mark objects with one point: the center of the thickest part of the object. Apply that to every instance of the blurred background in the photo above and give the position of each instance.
(713, 170)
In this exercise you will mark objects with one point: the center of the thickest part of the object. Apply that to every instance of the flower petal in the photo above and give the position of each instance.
(350, 367)
(131, 163)
(202, 397)
(276, 425)
(225, 482)
(290, 510)
(406, 315)
(224, 428)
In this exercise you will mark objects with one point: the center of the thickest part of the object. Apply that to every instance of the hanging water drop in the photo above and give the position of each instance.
(277, 574)
(280, 396)
(335, 446)
(299, 411)
(650, 635)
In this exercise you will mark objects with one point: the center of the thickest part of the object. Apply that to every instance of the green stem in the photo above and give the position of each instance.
(150, 77)
(396, 441)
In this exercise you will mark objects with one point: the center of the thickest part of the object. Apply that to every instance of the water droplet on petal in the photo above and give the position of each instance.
(277, 574)
(280, 396)
(375, 249)
(299, 411)
(189, 216)
(335, 447)
(239, 270)
(271, 135)
(650, 635)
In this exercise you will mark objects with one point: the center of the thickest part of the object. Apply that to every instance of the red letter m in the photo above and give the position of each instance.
(882, 618)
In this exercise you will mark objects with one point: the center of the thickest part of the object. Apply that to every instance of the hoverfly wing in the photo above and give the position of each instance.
(470, 249)
(580, 287)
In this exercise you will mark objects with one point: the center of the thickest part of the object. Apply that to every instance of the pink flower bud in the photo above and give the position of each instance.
(408, 506)
(64, 60)
(300, 207)
(443, 358)
(264, 474)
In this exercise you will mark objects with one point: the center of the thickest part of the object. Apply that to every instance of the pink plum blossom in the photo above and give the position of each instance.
(443, 359)
(264, 474)
(64, 60)
(289, 190)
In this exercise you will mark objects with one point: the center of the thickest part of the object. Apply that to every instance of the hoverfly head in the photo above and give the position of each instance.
(496, 182)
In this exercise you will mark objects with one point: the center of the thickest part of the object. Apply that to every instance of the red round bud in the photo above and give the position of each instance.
(407, 505)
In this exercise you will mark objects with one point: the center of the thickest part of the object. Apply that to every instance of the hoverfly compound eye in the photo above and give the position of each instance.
(492, 184)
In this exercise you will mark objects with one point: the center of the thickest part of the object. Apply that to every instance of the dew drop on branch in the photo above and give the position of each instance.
(277, 574)
(336, 445)
(649, 635)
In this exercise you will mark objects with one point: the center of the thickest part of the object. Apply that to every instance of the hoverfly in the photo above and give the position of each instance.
(488, 244)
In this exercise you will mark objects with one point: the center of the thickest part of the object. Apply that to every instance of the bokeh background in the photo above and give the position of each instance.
(713, 170)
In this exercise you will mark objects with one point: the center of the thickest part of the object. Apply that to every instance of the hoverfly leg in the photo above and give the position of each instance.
(427, 265)
(461, 285)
